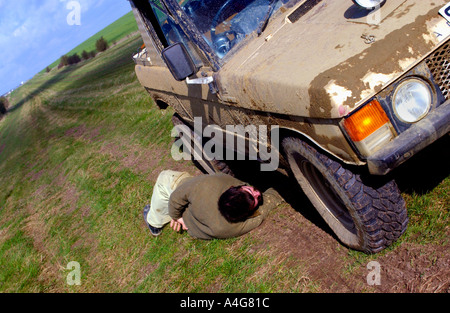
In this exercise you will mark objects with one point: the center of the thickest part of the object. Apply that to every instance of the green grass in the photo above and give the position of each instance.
(121, 28)
(429, 214)
(80, 150)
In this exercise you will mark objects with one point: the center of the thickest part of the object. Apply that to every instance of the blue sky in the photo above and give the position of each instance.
(35, 33)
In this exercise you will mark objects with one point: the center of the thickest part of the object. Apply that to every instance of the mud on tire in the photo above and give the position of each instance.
(365, 213)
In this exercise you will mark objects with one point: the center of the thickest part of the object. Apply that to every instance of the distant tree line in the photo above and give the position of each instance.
(69, 60)
(101, 45)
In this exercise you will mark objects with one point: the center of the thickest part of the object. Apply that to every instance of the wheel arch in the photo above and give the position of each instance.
(285, 132)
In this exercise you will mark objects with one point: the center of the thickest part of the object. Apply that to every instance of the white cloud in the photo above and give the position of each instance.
(20, 31)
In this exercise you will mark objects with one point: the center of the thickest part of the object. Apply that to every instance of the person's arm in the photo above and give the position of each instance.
(271, 199)
(179, 201)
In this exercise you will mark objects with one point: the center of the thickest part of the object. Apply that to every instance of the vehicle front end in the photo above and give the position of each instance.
(381, 75)
(351, 90)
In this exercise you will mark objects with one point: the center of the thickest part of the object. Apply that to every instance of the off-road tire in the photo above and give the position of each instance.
(203, 164)
(366, 213)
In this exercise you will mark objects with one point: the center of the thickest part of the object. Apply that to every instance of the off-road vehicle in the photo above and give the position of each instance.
(348, 90)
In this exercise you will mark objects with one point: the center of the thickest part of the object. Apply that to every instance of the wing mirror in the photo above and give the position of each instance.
(179, 61)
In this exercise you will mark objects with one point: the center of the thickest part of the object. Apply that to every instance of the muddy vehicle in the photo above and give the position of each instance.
(348, 91)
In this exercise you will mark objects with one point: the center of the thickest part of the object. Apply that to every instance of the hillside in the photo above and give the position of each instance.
(121, 28)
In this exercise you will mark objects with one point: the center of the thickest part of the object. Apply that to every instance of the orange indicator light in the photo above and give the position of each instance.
(366, 121)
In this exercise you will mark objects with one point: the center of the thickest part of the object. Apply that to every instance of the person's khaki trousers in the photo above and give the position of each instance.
(166, 183)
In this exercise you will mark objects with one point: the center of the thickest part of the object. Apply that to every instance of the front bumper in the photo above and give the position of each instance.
(410, 142)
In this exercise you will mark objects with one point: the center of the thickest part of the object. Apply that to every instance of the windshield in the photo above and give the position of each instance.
(224, 23)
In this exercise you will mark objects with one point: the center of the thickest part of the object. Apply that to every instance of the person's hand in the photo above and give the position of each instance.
(178, 224)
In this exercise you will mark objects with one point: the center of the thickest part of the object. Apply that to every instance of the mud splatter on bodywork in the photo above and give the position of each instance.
(365, 74)
(306, 75)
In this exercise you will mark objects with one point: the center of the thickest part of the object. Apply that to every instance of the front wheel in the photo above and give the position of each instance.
(364, 214)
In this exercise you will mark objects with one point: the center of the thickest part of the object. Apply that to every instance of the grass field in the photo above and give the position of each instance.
(124, 26)
(80, 150)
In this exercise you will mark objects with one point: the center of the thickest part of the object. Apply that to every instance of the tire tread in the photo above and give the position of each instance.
(381, 209)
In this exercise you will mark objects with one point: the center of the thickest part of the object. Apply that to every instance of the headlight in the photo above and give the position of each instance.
(412, 100)
(369, 4)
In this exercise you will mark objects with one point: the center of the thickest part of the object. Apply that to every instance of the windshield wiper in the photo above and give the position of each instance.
(264, 22)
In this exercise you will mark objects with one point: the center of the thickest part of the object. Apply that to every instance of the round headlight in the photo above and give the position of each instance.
(412, 100)
(369, 4)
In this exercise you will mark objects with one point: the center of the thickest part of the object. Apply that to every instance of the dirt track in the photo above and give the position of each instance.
(408, 268)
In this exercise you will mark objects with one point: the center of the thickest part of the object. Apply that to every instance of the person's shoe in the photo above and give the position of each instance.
(153, 230)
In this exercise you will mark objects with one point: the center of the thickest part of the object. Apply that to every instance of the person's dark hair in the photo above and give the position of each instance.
(236, 205)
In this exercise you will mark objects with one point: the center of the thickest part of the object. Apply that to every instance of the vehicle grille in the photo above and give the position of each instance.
(439, 65)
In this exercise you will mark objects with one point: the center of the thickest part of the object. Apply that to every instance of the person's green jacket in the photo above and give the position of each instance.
(196, 201)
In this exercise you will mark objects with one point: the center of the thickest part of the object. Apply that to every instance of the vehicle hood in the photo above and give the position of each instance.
(332, 59)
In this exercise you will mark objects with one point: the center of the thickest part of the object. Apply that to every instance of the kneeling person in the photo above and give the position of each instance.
(207, 206)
